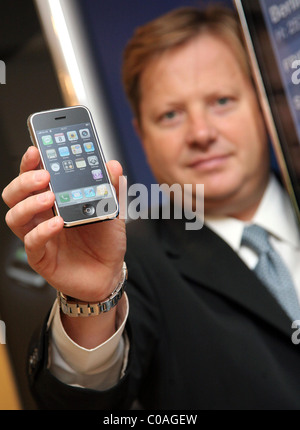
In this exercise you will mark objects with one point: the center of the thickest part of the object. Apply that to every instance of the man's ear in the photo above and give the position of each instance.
(139, 131)
(137, 128)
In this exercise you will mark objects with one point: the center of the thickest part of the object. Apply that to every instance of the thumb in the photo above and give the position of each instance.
(119, 182)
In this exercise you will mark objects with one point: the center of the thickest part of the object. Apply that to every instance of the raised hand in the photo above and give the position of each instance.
(84, 262)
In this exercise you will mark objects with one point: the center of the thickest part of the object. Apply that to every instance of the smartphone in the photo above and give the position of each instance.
(71, 152)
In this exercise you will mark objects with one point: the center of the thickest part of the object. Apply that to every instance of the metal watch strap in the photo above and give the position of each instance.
(93, 309)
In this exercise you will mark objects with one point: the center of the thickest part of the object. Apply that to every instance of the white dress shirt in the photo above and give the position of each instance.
(101, 367)
(275, 214)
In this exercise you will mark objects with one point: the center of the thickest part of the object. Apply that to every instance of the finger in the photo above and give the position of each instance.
(115, 171)
(36, 241)
(23, 213)
(30, 160)
(119, 182)
(25, 185)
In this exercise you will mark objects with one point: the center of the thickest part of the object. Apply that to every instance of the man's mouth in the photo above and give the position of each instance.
(210, 162)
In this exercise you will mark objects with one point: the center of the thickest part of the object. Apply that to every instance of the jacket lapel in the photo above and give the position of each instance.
(203, 257)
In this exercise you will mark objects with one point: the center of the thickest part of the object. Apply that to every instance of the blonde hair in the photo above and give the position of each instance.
(172, 30)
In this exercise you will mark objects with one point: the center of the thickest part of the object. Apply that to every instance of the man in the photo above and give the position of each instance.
(197, 328)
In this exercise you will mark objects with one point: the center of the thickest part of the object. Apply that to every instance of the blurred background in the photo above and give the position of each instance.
(40, 76)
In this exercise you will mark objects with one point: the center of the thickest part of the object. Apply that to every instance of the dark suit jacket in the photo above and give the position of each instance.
(204, 332)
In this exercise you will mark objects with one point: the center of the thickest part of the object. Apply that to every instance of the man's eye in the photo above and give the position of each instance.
(169, 115)
(223, 104)
(223, 101)
(171, 118)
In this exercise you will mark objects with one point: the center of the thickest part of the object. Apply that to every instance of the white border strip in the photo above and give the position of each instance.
(72, 59)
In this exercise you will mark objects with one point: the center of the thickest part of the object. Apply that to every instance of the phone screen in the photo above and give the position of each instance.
(73, 157)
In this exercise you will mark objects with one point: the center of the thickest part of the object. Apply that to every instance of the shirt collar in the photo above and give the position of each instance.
(275, 214)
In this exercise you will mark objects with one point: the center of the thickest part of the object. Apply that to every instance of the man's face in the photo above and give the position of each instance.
(201, 124)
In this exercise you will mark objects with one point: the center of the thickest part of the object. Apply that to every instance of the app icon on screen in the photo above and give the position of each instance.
(68, 165)
(64, 151)
(80, 163)
(47, 140)
(72, 135)
(59, 137)
(93, 160)
(89, 192)
(51, 153)
(89, 146)
(84, 133)
(76, 149)
(55, 167)
(77, 194)
(64, 197)
(97, 174)
(101, 190)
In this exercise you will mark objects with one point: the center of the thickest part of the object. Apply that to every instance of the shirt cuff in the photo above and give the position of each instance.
(98, 368)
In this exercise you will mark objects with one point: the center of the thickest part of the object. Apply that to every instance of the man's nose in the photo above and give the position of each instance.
(201, 130)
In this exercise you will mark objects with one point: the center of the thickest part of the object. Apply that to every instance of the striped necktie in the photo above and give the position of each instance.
(271, 270)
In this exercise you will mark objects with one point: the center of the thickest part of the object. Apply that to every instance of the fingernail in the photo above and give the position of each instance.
(54, 222)
(39, 175)
(44, 197)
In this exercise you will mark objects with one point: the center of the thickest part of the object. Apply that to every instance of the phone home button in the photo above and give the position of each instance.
(88, 210)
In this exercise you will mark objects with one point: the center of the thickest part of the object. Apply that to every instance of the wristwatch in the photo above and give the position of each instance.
(72, 308)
